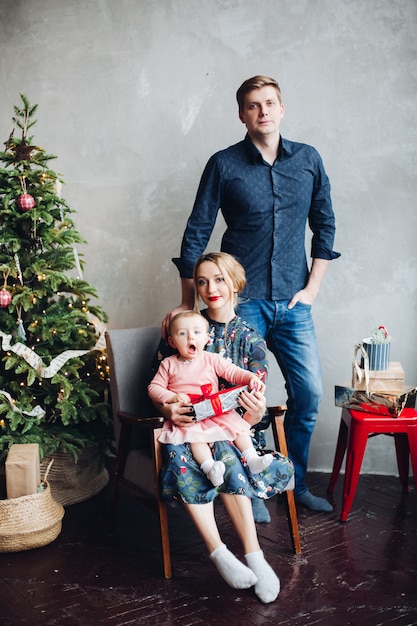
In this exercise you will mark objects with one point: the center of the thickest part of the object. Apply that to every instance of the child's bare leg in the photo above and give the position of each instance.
(201, 452)
(214, 470)
(256, 463)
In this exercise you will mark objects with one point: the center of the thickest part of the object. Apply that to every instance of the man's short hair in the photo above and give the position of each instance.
(256, 82)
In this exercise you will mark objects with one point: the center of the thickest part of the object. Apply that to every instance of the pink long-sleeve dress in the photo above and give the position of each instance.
(189, 377)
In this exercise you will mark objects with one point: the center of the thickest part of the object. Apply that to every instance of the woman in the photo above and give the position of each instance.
(218, 279)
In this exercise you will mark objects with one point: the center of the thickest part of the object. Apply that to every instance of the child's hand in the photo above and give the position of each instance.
(256, 384)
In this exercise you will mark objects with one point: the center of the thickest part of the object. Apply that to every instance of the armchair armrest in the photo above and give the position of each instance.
(150, 423)
(277, 410)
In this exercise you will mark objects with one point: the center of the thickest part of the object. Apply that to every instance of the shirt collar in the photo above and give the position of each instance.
(256, 156)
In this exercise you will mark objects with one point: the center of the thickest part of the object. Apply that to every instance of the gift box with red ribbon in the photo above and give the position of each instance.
(208, 405)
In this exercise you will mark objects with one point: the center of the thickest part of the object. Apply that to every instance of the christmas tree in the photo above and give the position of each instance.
(53, 373)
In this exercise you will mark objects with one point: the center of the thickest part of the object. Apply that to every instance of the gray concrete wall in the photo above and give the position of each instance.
(135, 95)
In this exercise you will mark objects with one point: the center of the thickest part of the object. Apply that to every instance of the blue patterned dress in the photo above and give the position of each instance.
(181, 476)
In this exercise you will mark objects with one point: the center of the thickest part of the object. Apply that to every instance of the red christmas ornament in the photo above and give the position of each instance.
(5, 298)
(25, 202)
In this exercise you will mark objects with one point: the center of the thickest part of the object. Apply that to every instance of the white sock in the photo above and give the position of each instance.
(233, 571)
(214, 470)
(255, 462)
(268, 585)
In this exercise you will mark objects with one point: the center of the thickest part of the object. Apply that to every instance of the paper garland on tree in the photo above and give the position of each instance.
(36, 362)
(36, 412)
(77, 263)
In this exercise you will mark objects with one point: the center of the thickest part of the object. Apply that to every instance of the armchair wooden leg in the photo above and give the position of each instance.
(293, 521)
(163, 524)
(281, 446)
(162, 507)
(122, 452)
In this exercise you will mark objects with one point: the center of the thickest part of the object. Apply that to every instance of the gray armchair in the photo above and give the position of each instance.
(136, 429)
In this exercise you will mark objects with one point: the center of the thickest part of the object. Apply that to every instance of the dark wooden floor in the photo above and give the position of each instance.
(360, 573)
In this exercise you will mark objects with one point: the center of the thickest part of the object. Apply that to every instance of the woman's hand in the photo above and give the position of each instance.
(187, 303)
(255, 406)
(169, 316)
(177, 412)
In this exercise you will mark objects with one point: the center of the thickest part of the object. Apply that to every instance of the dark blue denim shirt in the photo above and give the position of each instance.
(266, 209)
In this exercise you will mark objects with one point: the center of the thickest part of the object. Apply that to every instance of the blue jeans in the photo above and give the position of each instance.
(290, 336)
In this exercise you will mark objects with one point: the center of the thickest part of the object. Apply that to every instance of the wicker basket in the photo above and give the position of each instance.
(75, 482)
(30, 521)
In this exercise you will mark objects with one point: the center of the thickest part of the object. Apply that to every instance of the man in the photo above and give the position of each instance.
(268, 189)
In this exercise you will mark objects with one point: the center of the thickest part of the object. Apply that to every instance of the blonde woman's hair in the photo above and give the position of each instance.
(231, 270)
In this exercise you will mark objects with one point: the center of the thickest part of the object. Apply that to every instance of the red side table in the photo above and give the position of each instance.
(355, 428)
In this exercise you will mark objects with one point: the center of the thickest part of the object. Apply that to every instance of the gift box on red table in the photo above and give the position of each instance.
(381, 402)
(375, 391)
(217, 403)
(389, 380)
(22, 467)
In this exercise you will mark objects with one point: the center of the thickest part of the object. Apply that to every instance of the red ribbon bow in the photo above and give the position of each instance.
(205, 395)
